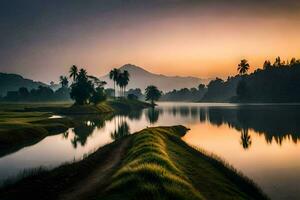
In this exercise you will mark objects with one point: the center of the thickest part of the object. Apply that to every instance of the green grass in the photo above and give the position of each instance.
(101, 108)
(124, 105)
(24, 124)
(160, 165)
(43, 184)
(156, 165)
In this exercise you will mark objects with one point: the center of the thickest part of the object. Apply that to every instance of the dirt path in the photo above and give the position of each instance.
(92, 183)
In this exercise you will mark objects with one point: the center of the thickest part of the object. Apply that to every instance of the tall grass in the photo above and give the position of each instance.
(149, 173)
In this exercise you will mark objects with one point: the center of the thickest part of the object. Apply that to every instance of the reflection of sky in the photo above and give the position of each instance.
(275, 167)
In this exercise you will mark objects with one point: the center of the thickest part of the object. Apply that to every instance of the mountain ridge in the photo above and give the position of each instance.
(12, 82)
(141, 78)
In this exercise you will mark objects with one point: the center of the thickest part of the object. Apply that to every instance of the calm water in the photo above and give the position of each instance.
(262, 141)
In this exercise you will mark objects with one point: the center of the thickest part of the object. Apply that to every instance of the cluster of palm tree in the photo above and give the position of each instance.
(85, 88)
(120, 79)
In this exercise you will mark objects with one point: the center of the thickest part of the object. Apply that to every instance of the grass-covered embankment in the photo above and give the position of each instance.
(157, 164)
(162, 166)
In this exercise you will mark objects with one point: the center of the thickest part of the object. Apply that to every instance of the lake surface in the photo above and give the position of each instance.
(261, 141)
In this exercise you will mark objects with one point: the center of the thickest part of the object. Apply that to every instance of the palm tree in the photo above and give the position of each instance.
(73, 72)
(114, 75)
(243, 67)
(152, 94)
(63, 81)
(125, 80)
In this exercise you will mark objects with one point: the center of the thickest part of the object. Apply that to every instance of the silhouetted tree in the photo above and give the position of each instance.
(82, 89)
(113, 75)
(201, 86)
(243, 67)
(98, 95)
(63, 80)
(122, 81)
(267, 65)
(73, 72)
(23, 91)
(152, 94)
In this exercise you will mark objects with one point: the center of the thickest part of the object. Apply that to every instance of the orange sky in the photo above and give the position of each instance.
(182, 40)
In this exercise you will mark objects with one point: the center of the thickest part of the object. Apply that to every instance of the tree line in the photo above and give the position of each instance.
(274, 82)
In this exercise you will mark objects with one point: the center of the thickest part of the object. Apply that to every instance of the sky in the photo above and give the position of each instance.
(41, 39)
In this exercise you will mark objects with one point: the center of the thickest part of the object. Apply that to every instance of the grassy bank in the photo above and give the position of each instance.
(18, 129)
(25, 124)
(157, 164)
(161, 166)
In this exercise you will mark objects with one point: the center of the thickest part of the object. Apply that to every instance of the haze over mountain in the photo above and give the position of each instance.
(140, 78)
(12, 82)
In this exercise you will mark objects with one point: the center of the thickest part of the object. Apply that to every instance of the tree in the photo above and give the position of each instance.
(122, 81)
(278, 62)
(243, 67)
(201, 86)
(73, 72)
(114, 75)
(125, 77)
(82, 89)
(152, 94)
(63, 80)
(23, 91)
(267, 65)
(98, 95)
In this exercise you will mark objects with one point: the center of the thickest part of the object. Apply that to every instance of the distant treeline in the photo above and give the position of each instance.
(42, 93)
(277, 82)
(185, 94)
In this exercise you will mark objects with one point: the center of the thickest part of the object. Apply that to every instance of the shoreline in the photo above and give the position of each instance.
(156, 157)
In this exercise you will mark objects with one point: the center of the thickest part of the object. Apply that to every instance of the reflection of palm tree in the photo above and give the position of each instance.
(245, 139)
(121, 131)
(152, 115)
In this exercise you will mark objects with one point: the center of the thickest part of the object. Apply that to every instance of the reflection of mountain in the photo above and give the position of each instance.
(142, 78)
(274, 122)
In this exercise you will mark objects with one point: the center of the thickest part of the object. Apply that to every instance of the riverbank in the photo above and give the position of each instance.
(26, 124)
(153, 163)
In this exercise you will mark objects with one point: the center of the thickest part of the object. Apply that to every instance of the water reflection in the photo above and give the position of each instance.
(245, 138)
(122, 129)
(261, 141)
(274, 122)
(152, 115)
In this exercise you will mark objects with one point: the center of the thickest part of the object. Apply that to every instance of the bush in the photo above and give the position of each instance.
(98, 96)
(132, 97)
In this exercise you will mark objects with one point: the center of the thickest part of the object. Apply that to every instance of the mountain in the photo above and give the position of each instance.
(12, 82)
(140, 78)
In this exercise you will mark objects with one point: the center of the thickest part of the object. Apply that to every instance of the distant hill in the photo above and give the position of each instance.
(140, 78)
(12, 82)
